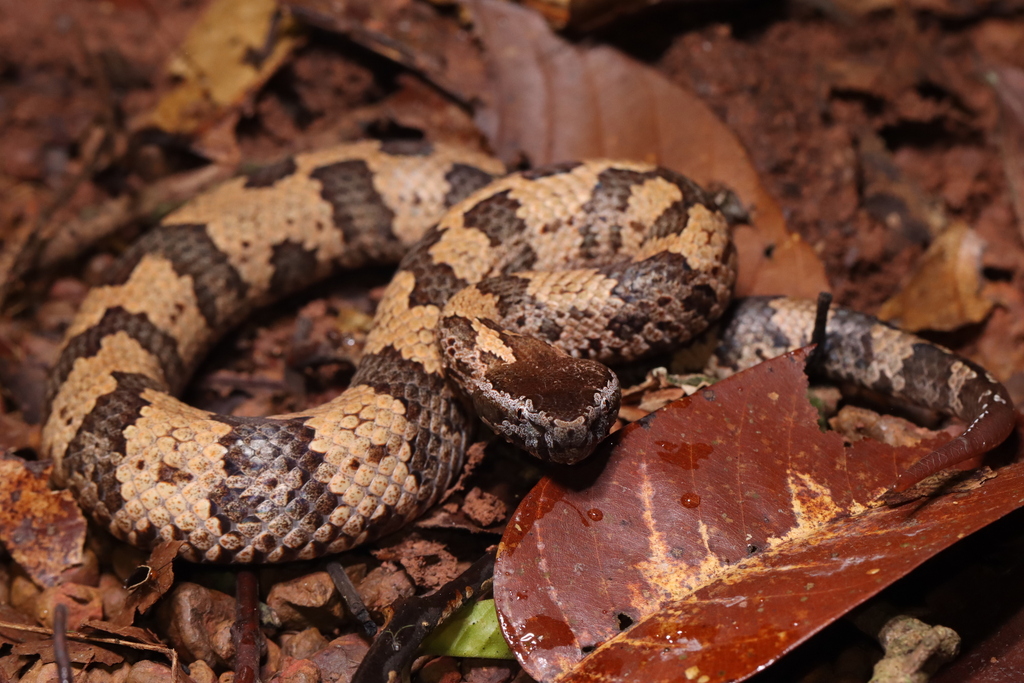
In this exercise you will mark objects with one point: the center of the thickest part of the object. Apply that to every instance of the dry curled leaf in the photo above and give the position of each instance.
(230, 52)
(713, 536)
(944, 290)
(43, 530)
(408, 33)
(149, 582)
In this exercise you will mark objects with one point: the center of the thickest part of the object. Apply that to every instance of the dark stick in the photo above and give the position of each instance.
(246, 629)
(392, 653)
(353, 601)
(818, 335)
(60, 645)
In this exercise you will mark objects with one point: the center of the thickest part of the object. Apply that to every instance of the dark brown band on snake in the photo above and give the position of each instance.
(513, 300)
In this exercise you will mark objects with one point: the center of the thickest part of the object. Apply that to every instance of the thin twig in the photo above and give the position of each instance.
(818, 335)
(353, 601)
(246, 629)
(60, 645)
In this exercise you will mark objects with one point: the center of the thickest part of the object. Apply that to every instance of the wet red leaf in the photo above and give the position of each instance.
(724, 530)
(43, 530)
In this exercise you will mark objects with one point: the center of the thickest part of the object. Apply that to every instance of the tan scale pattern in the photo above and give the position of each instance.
(892, 348)
(466, 250)
(471, 302)
(364, 442)
(489, 341)
(166, 298)
(702, 242)
(89, 379)
(585, 290)
(180, 437)
(793, 317)
(246, 223)
(411, 183)
(411, 330)
(346, 429)
(646, 204)
(556, 202)
(570, 288)
(796, 317)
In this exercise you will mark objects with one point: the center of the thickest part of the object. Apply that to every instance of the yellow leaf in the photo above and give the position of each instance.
(943, 291)
(229, 53)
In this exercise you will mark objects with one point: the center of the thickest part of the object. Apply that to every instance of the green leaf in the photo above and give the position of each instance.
(473, 631)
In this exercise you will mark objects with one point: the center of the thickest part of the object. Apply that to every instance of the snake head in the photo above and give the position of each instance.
(548, 403)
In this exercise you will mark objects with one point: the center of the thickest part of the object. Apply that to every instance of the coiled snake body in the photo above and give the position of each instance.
(526, 285)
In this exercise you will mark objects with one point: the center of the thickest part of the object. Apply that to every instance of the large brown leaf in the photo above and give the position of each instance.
(726, 529)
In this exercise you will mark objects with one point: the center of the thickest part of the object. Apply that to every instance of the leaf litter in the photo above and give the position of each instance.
(806, 149)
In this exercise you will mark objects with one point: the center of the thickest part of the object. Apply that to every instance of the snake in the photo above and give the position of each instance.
(512, 295)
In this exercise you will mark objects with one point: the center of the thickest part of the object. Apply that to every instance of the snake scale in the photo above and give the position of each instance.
(511, 295)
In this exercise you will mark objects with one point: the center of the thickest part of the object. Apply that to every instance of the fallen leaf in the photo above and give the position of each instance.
(408, 33)
(1001, 348)
(43, 530)
(80, 653)
(308, 600)
(713, 536)
(473, 631)
(949, 9)
(228, 54)
(339, 660)
(429, 563)
(944, 290)
(585, 15)
(150, 582)
(893, 199)
(11, 619)
(81, 603)
(18, 235)
(198, 623)
(141, 635)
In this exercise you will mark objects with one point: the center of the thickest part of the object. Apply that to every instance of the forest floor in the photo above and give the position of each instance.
(878, 149)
